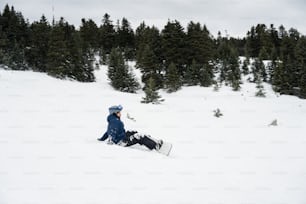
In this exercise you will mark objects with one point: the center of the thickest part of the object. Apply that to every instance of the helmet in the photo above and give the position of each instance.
(115, 109)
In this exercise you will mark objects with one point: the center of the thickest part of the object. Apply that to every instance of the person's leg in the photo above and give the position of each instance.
(136, 138)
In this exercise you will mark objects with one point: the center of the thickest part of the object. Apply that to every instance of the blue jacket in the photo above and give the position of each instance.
(115, 128)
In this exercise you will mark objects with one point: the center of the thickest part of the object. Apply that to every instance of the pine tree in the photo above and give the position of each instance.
(83, 60)
(39, 40)
(173, 82)
(107, 34)
(67, 57)
(118, 73)
(272, 65)
(173, 45)
(126, 39)
(199, 45)
(259, 70)
(301, 65)
(146, 36)
(57, 57)
(260, 88)
(103, 57)
(278, 77)
(192, 74)
(302, 84)
(89, 34)
(152, 95)
(245, 66)
(205, 75)
(149, 67)
(263, 54)
(15, 34)
(234, 75)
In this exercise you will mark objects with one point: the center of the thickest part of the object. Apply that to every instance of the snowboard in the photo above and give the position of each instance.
(165, 149)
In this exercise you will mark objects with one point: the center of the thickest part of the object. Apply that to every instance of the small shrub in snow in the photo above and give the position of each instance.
(218, 113)
(273, 123)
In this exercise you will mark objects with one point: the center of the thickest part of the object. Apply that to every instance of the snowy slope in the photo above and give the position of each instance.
(49, 152)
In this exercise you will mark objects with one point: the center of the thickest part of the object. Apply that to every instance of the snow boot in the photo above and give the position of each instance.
(148, 142)
(159, 144)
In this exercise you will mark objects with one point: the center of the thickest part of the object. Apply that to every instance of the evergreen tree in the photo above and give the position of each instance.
(302, 84)
(148, 53)
(118, 73)
(173, 82)
(278, 75)
(126, 39)
(260, 88)
(245, 66)
(301, 65)
(222, 56)
(192, 75)
(229, 64)
(38, 50)
(173, 45)
(82, 60)
(199, 45)
(205, 75)
(66, 58)
(89, 34)
(107, 34)
(149, 67)
(263, 54)
(272, 65)
(15, 34)
(234, 75)
(57, 56)
(103, 57)
(152, 95)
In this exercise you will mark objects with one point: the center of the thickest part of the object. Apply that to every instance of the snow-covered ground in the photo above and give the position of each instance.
(49, 152)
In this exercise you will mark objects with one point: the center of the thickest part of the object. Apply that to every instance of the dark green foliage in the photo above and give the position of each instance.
(260, 88)
(260, 40)
(146, 36)
(89, 33)
(57, 64)
(118, 73)
(149, 67)
(107, 34)
(229, 64)
(62, 51)
(302, 85)
(152, 95)
(148, 54)
(172, 79)
(199, 44)
(173, 45)
(234, 75)
(126, 39)
(301, 64)
(259, 70)
(245, 66)
(206, 75)
(37, 52)
(192, 74)
(66, 58)
(14, 39)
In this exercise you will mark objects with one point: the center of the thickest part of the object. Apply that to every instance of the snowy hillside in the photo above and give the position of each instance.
(49, 152)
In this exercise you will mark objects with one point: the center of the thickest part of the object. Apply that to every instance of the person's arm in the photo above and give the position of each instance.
(104, 137)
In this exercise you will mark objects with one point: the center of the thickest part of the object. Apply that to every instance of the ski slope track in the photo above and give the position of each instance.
(49, 153)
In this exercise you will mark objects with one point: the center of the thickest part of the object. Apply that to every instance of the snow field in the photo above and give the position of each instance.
(49, 152)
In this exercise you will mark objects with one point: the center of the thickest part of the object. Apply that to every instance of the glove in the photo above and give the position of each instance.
(130, 133)
(110, 141)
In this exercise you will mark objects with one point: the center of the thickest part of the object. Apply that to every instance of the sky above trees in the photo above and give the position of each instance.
(232, 17)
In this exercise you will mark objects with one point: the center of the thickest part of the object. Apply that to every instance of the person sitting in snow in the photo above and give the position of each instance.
(116, 133)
